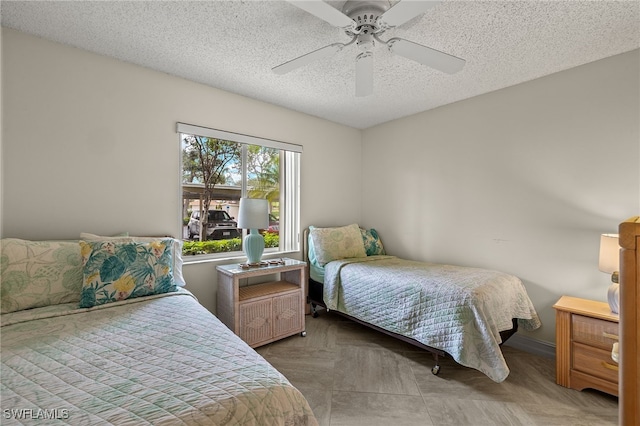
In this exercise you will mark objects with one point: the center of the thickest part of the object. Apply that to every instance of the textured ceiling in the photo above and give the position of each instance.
(232, 45)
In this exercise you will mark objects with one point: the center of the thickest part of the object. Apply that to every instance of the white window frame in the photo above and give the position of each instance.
(289, 226)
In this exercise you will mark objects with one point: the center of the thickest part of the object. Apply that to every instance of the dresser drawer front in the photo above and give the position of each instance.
(594, 332)
(594, 362)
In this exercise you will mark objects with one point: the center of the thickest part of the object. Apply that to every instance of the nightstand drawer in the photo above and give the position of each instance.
(594, 332)
(594, 362)
(585, 333)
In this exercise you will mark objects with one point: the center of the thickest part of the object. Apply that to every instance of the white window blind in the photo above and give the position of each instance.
(236, 137)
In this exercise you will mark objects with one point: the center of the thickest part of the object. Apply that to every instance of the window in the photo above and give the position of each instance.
(218, 168)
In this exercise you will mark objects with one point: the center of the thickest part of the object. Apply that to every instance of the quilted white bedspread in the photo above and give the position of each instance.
(459, 310)
(155, 360)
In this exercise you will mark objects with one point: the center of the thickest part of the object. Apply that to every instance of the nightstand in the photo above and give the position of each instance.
(585, 333)
(265, 312)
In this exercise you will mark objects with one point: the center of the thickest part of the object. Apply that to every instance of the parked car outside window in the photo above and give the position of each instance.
(221, 226)
(274, 224)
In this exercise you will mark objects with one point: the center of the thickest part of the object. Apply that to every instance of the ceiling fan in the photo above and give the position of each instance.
(365, 21)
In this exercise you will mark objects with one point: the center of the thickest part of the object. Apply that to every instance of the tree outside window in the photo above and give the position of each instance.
(263, 179)
(215, 174)
(208, 161)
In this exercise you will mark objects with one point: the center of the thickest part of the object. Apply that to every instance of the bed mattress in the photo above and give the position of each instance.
(155, 360)
(459, 310)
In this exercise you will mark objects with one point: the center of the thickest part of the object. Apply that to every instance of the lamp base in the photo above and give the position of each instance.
(613, 297)
(253, 246)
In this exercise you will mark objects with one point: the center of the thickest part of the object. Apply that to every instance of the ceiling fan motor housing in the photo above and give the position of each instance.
(365, 13)
(365, 39)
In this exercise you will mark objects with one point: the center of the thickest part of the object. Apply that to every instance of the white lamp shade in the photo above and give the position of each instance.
(609, 253)
(253, 214)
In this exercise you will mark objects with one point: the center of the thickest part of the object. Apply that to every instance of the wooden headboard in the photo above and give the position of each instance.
(629, 390)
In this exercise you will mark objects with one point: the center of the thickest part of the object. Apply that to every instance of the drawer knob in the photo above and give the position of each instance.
(609, 335)
(609, 366)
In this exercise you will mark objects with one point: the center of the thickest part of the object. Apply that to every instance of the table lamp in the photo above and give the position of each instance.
(609, 262)
(253, 215)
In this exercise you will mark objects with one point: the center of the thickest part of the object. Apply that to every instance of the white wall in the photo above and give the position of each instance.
(89, 145)
(523, 180)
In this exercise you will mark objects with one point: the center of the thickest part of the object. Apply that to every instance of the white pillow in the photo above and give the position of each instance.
(177, 250)
(39, 273)
(337, 243)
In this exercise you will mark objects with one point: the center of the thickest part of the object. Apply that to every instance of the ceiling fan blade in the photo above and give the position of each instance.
(403, 11)
(426, 55)
(326, 12)
(322, 53)
(364, 74)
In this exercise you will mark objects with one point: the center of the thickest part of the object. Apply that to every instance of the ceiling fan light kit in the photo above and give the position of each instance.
(364, 74)
(365, 21)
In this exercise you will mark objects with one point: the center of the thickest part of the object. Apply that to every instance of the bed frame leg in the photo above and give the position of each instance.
(314, 310)
(436, 368)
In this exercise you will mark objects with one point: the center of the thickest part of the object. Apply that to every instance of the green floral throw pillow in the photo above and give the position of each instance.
(372, 243)
(38, 273)
(116, 270)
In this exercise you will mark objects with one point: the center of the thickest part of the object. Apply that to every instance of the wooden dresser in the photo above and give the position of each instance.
(585, 333)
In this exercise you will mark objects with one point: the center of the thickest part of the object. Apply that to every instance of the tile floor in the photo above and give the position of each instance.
(352, 375)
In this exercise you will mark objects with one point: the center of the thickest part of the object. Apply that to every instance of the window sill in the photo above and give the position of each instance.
(229, 257)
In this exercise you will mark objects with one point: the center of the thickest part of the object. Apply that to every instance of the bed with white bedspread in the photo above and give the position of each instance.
(160, 359)
(458, 310)
(464, 312)
(101, 331)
